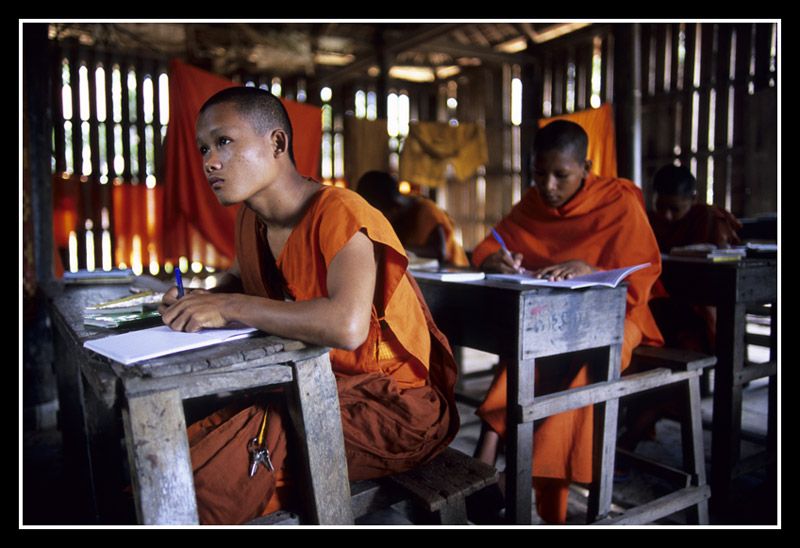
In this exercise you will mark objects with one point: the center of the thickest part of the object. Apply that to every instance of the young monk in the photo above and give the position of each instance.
(678, 220)
(570, 223)
(422, 227)
(320, 265)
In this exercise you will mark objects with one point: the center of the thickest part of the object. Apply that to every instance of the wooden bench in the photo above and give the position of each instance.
(435, 492)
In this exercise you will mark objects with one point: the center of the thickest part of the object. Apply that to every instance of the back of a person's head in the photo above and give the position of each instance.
(263, 110)
(672, 180)
(378, 188)
(564, 136)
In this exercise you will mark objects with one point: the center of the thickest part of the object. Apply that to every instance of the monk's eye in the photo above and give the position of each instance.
(203, 150)
(222, 141)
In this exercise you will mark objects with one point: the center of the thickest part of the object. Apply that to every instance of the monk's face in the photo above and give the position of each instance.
(237, 161)
(558, 175)
(672, 207)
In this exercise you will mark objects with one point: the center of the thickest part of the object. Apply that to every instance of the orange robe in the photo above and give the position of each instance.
(684, 325)
(422, 218)
(395, 390)
(605, 225)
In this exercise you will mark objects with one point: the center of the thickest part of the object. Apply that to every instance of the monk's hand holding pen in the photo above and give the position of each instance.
(564, 271)
(504, 262)
(196, 310)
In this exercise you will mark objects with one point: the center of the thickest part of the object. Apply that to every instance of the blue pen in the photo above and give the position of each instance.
(503, 245)
(500, 241)
(179, 282)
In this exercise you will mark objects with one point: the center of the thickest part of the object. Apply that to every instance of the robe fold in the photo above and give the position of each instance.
(605, 225)
(395, 390)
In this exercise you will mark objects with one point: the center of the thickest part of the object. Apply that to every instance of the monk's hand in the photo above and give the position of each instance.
(196, 310)
(564, 271)
(504, 262)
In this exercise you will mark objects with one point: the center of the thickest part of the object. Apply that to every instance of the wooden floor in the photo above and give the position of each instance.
(755, 499)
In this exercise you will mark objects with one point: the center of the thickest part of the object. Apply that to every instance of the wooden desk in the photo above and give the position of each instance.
(523, 323)
(731, 287)
(94, 393)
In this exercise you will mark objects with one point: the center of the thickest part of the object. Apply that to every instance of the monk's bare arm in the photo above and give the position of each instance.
(340, 320)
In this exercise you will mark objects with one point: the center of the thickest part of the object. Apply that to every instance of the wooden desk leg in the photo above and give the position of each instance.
(604, 443)
(772, 395)
(318, 422)
(158, 454)
(727, 421)
(519, 442)
(73, 426)
(694, 458)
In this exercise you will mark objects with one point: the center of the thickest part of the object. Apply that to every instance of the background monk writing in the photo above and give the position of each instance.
(422, 227)
(320, 265)
(571, 223)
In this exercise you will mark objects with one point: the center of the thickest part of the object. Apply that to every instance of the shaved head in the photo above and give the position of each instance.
(563, 136)
(263, 110)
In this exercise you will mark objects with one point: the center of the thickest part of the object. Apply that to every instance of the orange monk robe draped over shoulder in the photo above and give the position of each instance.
(423, 217)
(604, 225)
(189, 205)
(395, 390)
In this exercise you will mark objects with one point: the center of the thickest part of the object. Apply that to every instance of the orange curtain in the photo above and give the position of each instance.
(599, 125)
(193, 219)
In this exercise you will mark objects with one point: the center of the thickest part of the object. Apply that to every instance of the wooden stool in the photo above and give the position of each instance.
(693, 493)
(435, 491)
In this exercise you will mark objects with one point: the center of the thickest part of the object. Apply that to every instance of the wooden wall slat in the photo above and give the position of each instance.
(721, 153)
(661, 40)
(763, 45)
(559, 77)
(57, 109)
(687, 110)
(706, 64)
(126, 123)
(141, 149)
(607, 80)
(157, 144)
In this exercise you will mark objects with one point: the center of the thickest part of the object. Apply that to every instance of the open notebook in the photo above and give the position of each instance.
(610, 278)
(144, 344)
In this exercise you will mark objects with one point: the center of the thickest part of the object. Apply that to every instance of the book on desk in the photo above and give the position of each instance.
(448, 274)
(144, 344)
(134, 310)
(608, 278)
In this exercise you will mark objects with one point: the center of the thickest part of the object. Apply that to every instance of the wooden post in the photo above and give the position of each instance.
(158, 455)
(317, 420)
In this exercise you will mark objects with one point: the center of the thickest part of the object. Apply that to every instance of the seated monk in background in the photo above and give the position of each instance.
(422, 227)
(570, 223)
(317, 264)
(677, 221)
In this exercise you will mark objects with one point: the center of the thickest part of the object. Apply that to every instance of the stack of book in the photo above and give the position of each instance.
(133, 310)
(710, 252)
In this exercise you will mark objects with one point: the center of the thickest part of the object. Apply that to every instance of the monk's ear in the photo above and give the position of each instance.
(587, 166)
(279, 142)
